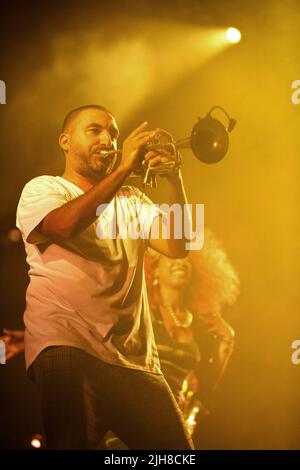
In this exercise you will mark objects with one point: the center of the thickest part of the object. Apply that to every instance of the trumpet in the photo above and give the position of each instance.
(209, 141)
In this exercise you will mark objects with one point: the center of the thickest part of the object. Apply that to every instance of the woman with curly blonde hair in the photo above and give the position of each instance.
(194, 342)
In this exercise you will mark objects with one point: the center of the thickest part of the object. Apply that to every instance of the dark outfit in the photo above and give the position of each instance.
(178, 359)
(83, 398)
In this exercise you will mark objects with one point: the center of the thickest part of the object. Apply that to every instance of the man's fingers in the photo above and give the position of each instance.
(140, 141)
(156, 161)
(138, 129)
(165, 154)
(150, 154)
(139, 132)
(149, 134)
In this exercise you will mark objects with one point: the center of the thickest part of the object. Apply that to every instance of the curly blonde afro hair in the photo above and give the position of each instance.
(214, 280)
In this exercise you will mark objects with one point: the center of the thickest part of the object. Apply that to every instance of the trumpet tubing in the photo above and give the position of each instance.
(209, 142)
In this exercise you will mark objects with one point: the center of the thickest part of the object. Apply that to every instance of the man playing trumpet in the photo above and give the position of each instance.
(89, 342)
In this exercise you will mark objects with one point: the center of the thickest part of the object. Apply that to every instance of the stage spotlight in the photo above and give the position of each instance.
(37, 441)
(233, 35)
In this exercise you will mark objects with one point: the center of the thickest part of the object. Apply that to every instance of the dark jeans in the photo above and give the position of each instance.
(83, 397)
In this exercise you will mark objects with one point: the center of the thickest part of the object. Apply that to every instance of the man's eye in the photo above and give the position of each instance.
(113, 133)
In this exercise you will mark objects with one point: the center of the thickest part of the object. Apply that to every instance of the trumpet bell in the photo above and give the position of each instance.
(209, 140)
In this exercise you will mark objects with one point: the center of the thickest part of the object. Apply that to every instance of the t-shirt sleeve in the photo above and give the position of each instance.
(39, 197)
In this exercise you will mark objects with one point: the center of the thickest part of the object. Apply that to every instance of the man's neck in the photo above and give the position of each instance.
(81, 181)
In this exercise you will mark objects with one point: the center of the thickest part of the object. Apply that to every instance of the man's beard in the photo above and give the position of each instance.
(89, 169)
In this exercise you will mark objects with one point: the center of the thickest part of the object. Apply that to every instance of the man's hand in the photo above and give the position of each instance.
(155, 157)
(14, 341)
(163, 155)
(132, 145)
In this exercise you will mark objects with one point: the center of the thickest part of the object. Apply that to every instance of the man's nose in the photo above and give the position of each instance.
(105, 139)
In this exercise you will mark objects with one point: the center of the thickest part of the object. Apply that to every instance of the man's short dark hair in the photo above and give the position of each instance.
(75, 112)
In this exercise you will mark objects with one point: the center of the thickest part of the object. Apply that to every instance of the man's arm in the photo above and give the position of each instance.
(74, 216)
(67, 220)
(172, 247)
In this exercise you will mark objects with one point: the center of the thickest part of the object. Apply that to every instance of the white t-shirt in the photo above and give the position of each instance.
(88, 292)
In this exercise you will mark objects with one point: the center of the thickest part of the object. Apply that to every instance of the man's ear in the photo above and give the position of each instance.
(64, 141)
